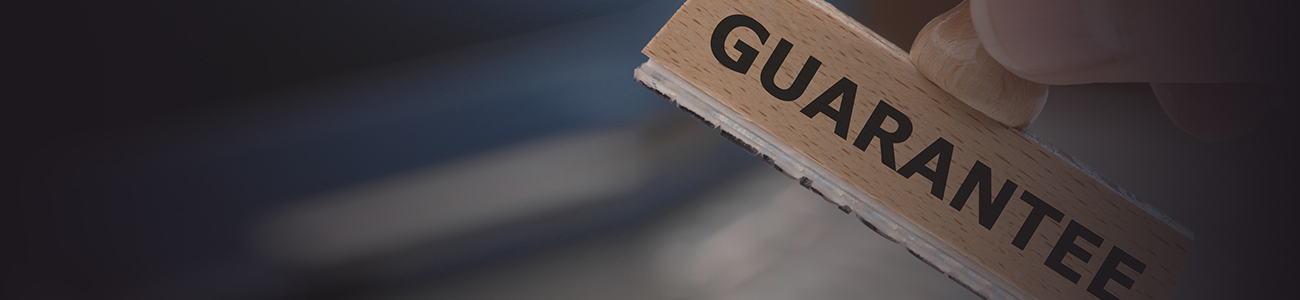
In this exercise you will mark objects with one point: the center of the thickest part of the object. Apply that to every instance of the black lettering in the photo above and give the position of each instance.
(939, 176)
(1066, 245)
(1036, 215)
(1108, 272)
(747, 53)
(800, 81)
(845, 90)
(887, 139)
(980, 176)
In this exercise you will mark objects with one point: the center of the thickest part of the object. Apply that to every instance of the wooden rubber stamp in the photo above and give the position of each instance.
(917, 147)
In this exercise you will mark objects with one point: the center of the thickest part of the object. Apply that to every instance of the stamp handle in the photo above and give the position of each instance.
(949, 53)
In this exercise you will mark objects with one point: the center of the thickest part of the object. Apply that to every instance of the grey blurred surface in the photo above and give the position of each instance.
(759, 236)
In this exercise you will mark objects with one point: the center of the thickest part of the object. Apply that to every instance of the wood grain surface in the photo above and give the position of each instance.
(1107, 232)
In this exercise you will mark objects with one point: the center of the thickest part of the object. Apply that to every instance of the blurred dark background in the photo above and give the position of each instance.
(488, 149)
(149, 138)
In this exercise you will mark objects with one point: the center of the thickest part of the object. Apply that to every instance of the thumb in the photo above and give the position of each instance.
(1086, 41)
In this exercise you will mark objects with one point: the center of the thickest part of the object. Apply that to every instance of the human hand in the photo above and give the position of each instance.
(1210, 63)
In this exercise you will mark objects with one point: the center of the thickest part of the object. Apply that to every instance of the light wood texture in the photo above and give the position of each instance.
(885, 77)
(949, 53)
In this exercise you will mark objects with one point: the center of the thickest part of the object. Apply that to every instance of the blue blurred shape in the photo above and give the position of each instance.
(168, 208)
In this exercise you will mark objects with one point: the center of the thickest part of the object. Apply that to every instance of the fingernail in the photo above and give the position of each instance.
(1039, 37)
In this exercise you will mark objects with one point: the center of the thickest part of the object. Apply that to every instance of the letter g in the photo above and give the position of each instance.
(747, 53)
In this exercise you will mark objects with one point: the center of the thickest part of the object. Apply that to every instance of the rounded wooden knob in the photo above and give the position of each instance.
(948, 52)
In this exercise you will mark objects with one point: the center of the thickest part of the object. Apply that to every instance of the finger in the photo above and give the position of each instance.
(1085, 41)
(1214, 112)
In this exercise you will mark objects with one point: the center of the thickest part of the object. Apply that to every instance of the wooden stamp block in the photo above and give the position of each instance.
(830, 102)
